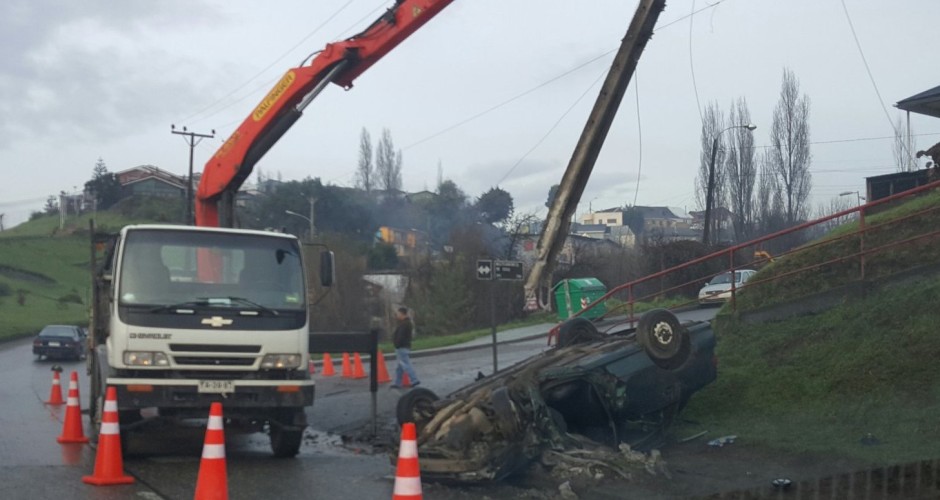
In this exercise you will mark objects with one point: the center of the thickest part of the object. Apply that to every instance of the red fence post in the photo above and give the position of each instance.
(861, 242)
(630, 302)
(734, 306)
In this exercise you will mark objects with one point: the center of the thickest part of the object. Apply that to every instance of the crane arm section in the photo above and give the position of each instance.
(339, 63)
(558, 222)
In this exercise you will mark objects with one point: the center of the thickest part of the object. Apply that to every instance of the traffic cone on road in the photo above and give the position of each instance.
(312, 367)
(405, 379)
(347, 366)
(55, 395)
(109, 464)
(407, 472)
(212, 483)
(328, 370)
(358, 371)
(383, 371)
(72, 426)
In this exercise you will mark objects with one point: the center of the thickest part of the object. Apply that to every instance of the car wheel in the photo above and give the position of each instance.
(663, 338)
(416, 406)
(577, 331)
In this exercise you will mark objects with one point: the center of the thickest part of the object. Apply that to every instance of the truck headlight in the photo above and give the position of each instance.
(280, 361)
(145, 358)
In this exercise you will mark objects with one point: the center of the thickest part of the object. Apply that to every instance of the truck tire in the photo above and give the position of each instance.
(663, 338)
(285, 443)
(577, 331)
(416, 406)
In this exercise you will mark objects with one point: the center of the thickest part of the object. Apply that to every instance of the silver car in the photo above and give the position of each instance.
(719, 288)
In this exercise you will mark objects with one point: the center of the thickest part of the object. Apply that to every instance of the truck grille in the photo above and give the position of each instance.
(208, 361)
(215, 348)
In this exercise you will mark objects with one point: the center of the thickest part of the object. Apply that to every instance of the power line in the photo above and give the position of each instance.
(553, 127)
(262, 71)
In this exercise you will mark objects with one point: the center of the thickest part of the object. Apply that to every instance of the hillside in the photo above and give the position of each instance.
(824, 383)
(44, 275)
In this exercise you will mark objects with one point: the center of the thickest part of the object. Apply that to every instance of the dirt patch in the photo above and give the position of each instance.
(24, 275)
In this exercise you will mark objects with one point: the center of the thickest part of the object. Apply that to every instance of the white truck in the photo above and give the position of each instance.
(184, 316)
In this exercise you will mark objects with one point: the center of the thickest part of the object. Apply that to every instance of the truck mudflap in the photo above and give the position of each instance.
(136, 393)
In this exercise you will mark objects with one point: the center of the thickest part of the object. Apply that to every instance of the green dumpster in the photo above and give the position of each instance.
(574, 294)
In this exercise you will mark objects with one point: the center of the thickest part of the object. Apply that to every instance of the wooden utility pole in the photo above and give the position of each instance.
(192, 139)
(558, 221)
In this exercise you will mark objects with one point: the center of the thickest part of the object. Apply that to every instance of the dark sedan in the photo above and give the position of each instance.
(60, 341)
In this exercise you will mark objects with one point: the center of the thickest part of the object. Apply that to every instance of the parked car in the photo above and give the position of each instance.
(625, 386)
(60, 341)
(718, 290)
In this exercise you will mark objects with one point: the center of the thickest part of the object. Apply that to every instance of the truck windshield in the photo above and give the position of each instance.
(162, 268)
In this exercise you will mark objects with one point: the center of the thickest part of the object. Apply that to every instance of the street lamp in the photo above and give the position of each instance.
(711, 178)
(304, 217)
(857, 195)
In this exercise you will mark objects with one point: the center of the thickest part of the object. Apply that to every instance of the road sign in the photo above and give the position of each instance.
(485, 269)
(508, 270)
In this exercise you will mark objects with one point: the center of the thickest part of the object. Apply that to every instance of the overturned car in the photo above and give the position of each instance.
(591, 389)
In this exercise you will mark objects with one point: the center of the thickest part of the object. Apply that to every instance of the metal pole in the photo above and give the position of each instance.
(189, 186)
(493, 322)
(708, 191)
(312, 201)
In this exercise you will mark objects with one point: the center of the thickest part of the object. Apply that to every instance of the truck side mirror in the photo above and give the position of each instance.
(327, 268)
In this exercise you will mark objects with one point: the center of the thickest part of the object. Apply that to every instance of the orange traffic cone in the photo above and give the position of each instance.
(407, 472)
(405, 379)
(383, 371)
(347, 367)
(55, 395)
(109, 465)
(212, 483)
(328, 370)
(358, 371)
(72, 427)
(312, 367)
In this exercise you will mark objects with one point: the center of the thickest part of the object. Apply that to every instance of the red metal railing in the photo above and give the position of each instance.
(634, 293)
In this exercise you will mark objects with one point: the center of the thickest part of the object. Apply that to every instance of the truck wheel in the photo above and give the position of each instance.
(577, 331)
(285, 443)
(416, 406)
(663, 338)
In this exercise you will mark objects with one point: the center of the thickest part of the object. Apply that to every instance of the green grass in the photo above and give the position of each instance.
(821, 383)
(422, 343)
(617, 306)
(880, 264)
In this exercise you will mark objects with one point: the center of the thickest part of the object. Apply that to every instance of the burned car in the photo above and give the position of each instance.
(591, 389)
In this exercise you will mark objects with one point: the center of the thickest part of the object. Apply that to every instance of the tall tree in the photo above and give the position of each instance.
(712, 125)
(741, 171)
(365, 172)
(769, 202)
(789, 154)
(552, 192)
(901, 150)
(494, 205)
(104, 186)
(387, 163)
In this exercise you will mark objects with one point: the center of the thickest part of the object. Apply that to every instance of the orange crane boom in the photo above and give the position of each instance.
(339, 63)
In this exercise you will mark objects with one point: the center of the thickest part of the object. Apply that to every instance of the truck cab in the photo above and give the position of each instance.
(185, 316)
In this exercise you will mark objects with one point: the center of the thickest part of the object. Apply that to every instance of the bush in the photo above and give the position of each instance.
(5, 289)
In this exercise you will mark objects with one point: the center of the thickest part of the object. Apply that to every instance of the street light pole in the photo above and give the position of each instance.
(858, 196)
(304, 217)
(710, 188)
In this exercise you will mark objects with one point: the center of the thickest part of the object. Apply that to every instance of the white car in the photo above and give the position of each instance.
(719, 288)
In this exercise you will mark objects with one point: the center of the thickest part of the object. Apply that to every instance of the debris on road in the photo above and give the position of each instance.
(692, 437)
(722, 441)
(566, 492)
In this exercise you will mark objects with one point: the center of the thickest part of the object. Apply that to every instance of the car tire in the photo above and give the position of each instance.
(577, 331)
(416, 406)
(663, 338)
(285, 443)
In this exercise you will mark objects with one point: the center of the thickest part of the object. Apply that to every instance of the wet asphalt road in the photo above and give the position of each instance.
(165, 461)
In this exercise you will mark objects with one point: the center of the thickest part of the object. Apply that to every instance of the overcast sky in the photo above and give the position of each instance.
(86, 79)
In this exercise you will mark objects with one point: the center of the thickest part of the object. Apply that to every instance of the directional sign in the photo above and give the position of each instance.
(508, 270)
(484, 269)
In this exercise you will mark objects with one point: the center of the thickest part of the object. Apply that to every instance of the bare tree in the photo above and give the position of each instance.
(901, 150)
(365, 172)
(833, 206)
(387, 163)
(712, 125)
(769, 202)
(789, 154)
(741, 171)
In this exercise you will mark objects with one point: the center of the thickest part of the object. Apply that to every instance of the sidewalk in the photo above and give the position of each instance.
(521, 334)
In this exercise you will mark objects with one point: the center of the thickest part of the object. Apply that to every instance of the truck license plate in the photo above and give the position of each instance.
(216, 386)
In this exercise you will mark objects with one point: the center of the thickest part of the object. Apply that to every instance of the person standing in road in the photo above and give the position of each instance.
(402, 340)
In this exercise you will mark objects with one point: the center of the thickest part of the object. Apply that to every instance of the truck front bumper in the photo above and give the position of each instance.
(168, 394)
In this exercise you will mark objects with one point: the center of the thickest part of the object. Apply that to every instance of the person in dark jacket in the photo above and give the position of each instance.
(402, 340)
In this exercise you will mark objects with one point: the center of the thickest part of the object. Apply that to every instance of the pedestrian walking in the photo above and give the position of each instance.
(402, 340)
